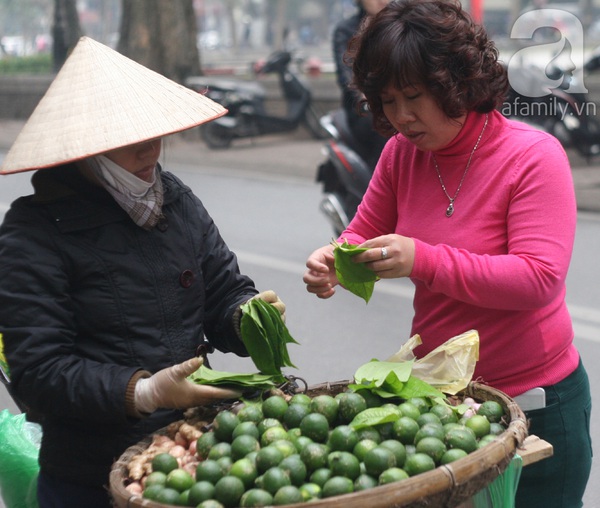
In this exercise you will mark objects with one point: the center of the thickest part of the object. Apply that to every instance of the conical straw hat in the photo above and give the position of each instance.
(101, 100)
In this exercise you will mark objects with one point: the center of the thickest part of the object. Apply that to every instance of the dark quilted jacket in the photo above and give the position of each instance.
(87, 298)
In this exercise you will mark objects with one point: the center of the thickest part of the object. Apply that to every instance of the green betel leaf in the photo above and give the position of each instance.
(262, 316)
(255, 339)
(250, 308)
(206, 376)
(415, 387)
(280, 324)
(374, 416)
(277, 333)
(363, 386)
(287, 339)
(355, 277)
(392, 384)
(266, 337)
(385, 394)
(377, 372)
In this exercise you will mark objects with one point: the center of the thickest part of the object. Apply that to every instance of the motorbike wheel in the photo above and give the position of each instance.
(216, 136)
(312, 123)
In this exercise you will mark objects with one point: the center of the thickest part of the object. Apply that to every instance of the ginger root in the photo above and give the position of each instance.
(189, 432)
(141, 464)
(182, 443)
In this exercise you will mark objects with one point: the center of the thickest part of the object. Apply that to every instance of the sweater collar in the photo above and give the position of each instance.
(466, 138)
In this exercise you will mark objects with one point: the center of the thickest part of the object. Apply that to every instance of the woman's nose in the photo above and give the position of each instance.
(150, 148)
(403, 114)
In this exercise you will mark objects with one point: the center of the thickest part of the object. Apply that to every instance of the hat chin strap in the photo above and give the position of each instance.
(140, 199)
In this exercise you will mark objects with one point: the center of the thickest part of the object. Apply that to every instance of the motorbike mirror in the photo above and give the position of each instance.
(276, 62)
(593, 63)
(257, 66)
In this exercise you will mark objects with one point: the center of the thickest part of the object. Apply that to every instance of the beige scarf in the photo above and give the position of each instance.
(140, 199)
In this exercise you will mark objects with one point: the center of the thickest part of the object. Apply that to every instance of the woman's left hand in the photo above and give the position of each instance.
(389, 256)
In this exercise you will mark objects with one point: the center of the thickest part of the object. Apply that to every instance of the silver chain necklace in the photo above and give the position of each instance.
(450, 209)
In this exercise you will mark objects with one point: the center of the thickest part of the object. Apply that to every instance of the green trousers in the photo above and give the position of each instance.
(560, 481)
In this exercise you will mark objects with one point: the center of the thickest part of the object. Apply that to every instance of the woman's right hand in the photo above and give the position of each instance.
(170, 388)
(320, 278)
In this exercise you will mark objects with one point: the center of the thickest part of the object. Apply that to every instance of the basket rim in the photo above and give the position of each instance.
(494, 457)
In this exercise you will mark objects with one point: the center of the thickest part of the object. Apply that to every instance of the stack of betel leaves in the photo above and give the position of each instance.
(266, 337)
(355, 277)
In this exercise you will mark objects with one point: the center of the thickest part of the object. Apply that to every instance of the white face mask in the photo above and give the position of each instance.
(122, 179)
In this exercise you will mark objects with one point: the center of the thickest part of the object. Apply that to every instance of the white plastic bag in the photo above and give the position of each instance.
(448, 367)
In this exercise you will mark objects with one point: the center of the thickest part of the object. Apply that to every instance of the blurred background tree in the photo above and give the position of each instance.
(162, 35)
(66, 31)
(180, 37)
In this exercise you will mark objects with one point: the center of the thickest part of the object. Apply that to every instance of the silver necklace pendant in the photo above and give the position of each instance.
(450, 209)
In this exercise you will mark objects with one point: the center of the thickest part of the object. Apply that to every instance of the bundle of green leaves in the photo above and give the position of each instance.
(389, 380)
(393, 379)
(206, 376)
(355, 277)
(266, 337)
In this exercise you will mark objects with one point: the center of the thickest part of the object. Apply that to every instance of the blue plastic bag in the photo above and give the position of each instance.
(19, 467)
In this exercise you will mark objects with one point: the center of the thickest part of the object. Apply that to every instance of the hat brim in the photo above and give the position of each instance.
(99, 101)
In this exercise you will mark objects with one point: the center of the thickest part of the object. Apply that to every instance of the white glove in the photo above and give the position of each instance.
(169, 388)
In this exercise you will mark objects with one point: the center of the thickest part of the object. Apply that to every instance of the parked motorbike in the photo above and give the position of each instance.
(569, 116)
(247, 115)
(344, 174)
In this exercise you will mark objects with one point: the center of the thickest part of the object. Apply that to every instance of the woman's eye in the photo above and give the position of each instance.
(413, 96)
(387, 101)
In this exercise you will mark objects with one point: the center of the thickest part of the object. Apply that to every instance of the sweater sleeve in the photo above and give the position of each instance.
(377, 213)
(539, 228)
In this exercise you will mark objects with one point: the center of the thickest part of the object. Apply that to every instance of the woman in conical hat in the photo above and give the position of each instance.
(112, 272)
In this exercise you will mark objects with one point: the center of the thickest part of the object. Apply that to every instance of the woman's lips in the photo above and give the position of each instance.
(413, 136)
(145, 173)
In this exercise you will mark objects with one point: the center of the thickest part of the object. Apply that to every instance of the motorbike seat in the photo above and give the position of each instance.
(368, 148)
(202, 83)
(340, 121)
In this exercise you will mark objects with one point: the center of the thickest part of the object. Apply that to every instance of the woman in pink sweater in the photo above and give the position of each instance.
(480, 213)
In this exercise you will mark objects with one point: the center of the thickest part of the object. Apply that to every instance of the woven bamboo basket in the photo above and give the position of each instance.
(446, 486)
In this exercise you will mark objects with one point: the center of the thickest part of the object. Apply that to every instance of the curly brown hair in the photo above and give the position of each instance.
(433, 43)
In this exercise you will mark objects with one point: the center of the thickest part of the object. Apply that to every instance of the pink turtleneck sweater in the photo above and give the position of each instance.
(499, 264)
